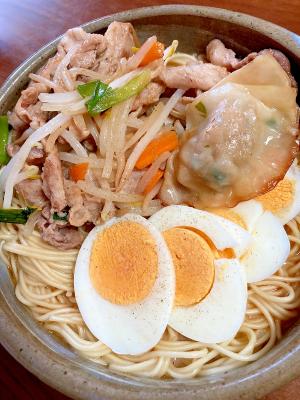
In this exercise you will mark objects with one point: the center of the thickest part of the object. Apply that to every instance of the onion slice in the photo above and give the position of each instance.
(16, 163)
(74, 143)
(152, 132)
(108, 195)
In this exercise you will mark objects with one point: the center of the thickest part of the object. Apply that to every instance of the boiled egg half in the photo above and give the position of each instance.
(125, 284)
(211, 287)
(269, 247)
(284, 200)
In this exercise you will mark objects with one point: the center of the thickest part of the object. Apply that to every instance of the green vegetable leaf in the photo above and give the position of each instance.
(3, 139)
(218, 176)
(62, 216)
(272, 123)
(88, 89)
(202, 109)
(15, 215)
(101, 90)
(103, 99)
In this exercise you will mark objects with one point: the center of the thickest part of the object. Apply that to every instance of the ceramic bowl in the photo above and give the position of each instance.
(58, 365)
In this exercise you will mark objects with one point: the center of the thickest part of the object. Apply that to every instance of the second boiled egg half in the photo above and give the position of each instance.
(211, 286)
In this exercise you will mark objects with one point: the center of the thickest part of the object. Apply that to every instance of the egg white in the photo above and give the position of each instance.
(223, 233)
(126, 329)
(220, 315)
(270, 245)
(289, 212)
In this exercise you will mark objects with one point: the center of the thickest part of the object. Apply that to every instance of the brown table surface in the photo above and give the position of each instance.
(25, 26)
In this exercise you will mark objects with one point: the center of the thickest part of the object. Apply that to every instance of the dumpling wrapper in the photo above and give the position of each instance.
(244, 140)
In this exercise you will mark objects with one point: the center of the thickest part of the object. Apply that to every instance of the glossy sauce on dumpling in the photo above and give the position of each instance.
(243, 140)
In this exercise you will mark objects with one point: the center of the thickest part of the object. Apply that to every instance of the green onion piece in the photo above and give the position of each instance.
(3, 139)
(62, 216)
(102, 101)
(101, 90)
(272, 123)
(88, 89)
(202, 109)
(15, 215)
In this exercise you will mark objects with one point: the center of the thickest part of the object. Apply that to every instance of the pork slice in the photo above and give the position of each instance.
(84, 59)
(241, 63)
(94, 209)
(78, 214)
(81, 210)
(24, 112)
(36, 155)
(149, 95)
(218, 54)
(89, 46)
(48, 70)
(12, 149)
(89, 50)
(16, 122)
(53, 185)
(120, 40)
(61, 237)
(32, 192)
(195, 76)
(27, 110)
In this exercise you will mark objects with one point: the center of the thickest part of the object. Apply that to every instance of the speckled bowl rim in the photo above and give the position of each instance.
(279, 366)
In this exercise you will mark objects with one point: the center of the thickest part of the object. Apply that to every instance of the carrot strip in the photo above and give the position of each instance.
(156, 51)
(153, 181)
(78, 171)
(168, 141)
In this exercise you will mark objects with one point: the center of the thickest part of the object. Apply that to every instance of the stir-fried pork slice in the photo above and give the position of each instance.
(218, 54)
(16, 122)
(35, 157)
(94, 208)
(53, 185)
(27, 111)
(32, 192)
(241, 63)
(149, 95)
(81, 209)
(279, 57)
(61, 237)
(120, 40)
(89, 47)
(12, 149)
(195, 76)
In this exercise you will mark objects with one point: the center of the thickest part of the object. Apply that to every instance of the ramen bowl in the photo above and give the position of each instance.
(55, 363)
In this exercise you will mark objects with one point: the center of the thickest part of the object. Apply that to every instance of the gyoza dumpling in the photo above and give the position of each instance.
(245, 136)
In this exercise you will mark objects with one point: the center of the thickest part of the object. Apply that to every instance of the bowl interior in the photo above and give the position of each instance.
(193, 27)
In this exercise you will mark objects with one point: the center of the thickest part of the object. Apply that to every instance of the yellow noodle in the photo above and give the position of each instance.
(44, 283)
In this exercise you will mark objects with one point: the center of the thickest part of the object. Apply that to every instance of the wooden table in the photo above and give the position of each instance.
(25, 26)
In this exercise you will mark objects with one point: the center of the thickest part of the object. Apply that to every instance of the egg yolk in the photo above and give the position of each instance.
(278, 198)
(194, 265)
(232, 216)
(124, 263)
